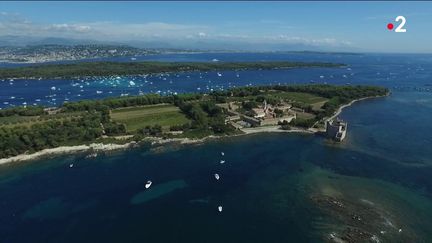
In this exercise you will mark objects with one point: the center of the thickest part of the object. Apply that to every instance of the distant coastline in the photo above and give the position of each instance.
(83, 69)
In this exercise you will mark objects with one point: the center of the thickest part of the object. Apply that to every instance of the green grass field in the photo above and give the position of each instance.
(16, 119)
(12, 121)
(300, 97)
(138, 117)
(317, 106)
(293, 96)
(305, 115)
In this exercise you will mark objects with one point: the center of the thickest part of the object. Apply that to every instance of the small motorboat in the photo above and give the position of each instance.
(222, 153)
(148, 184)
(71, 165)
(220, 208)
(92, 155)
(222, 161)
(216, 176)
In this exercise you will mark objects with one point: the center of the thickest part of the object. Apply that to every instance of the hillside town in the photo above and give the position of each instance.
(53, 53)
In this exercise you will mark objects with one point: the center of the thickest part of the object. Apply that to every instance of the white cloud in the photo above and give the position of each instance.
(326, 41)
(69, 27)
(15, 24)
(128, 31)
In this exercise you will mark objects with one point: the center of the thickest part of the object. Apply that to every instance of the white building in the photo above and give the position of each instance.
(259, 112)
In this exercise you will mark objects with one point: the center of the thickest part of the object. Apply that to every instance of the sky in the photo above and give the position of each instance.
(316, 25)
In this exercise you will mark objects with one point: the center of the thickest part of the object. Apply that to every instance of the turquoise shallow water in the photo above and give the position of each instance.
(265, 185)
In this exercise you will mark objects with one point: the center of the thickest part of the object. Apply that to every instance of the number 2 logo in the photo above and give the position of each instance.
(400, 28)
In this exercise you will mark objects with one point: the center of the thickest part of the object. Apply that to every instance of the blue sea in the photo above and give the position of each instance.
(269, 184)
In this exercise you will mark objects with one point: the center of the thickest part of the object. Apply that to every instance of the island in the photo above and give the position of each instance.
(119, 122)
(82, 69)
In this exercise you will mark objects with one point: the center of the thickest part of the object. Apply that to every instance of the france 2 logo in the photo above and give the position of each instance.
(400, 28)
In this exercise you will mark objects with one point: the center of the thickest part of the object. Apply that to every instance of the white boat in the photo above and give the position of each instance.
(216, 176)
(220, 208)
(222, 161)
(148, 184)
(219, 74)
(215, 60)
(71, 165)
(222, 153)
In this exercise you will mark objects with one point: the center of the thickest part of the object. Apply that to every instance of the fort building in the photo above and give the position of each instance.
(336, 129)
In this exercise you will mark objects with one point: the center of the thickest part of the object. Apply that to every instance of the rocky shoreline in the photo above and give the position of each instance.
(94, 147)
(360, 221)
(100, 147)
